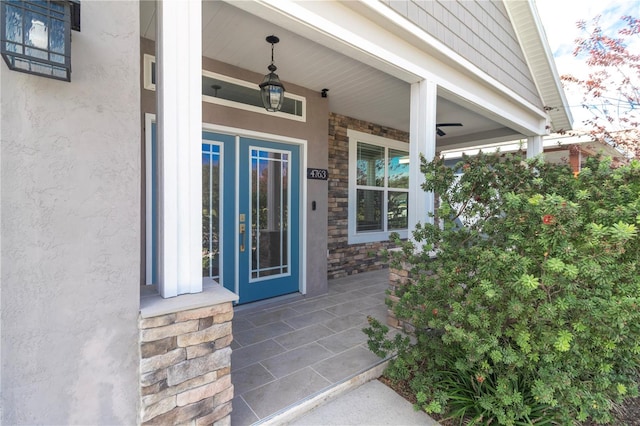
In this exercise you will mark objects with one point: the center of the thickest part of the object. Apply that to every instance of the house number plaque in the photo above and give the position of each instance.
(317, 174)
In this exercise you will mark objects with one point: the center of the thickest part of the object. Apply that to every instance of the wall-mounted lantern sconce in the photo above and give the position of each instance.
(323, 92)
(271, 89)
(36, 36)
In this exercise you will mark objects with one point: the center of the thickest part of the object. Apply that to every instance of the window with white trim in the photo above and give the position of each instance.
(378, 187)
(231, 92)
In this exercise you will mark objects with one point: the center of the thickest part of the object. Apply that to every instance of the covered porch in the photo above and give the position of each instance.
(379, 69)
(386, 79)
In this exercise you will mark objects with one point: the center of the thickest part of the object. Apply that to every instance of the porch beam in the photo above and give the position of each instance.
(534, 146)
(422, 141)
(179, 106)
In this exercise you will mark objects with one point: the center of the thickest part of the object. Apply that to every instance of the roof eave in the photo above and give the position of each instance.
(532, 37)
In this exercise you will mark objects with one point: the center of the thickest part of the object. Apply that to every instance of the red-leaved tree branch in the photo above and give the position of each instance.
(611, 91)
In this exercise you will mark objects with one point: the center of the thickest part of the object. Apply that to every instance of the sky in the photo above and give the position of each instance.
(559, 18)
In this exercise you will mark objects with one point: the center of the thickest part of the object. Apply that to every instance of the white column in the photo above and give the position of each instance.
(179, 102)
(534, 146)
(422, 141)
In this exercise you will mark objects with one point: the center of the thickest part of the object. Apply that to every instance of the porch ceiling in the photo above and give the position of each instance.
(357, 90)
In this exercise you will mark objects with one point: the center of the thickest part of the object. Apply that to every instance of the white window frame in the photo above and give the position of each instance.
(355, 237)
(149, 60)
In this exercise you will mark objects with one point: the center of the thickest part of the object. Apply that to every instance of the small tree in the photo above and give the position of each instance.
(530, 310)
(612, 88)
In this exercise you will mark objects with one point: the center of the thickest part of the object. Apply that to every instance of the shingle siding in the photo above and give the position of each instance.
(479, 31)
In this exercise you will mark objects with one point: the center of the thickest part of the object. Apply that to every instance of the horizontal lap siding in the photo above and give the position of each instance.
(480, 32)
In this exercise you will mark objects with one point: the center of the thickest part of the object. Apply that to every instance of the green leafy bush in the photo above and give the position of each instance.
(529, 314)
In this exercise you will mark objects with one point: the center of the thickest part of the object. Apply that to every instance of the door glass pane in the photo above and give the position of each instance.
(369, 210)
(370, 165)
(398, 169)
(269, 213)
(397, 205)
(210, 211)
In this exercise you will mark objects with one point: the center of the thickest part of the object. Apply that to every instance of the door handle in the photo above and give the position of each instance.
(243, 229)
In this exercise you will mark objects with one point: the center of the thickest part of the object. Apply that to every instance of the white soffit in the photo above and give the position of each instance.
(392, 39)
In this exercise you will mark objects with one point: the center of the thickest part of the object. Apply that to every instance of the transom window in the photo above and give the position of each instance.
(232, 92)
(378, 187)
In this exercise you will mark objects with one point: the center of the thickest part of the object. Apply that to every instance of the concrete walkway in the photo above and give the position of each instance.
(370, 404)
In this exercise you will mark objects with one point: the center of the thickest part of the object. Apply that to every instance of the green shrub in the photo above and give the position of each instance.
(529, 314)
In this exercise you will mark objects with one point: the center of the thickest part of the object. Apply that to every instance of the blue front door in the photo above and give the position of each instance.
(268, 219)
(250, 215)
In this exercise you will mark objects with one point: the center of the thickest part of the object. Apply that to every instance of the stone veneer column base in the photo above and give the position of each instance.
(185, 362)
(398, 278)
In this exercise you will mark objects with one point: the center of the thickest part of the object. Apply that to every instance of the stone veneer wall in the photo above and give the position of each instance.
(344, 258)
(185, 367)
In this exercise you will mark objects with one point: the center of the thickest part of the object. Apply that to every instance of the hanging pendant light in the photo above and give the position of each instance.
(271, 89)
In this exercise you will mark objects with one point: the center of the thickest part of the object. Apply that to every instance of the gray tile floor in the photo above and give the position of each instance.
(287, 352)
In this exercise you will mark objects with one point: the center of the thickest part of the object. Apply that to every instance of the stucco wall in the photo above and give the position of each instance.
(344, 258)
(479, 31)
(70, 163)
(314, 131)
